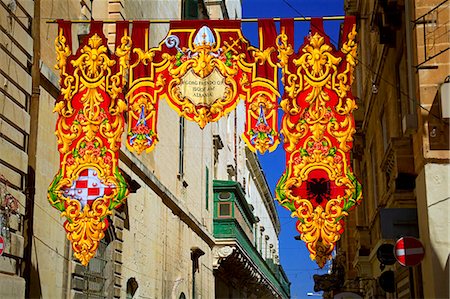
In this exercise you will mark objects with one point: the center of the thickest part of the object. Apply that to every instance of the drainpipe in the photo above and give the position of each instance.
(31, 150)
(410, 120)
(196, 253)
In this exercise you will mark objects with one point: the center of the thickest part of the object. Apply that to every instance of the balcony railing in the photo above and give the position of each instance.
(233, 221)
(434, 35)
(231, 229)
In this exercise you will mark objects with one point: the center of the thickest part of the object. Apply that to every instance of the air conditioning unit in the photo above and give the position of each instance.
(445, 99)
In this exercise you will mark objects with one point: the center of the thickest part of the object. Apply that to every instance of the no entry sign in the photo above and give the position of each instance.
(409, 251)
(2, 245)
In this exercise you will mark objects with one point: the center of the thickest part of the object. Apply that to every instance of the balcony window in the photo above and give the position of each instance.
(224, 210)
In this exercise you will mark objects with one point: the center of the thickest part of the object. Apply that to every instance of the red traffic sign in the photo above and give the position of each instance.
(409, 251)
(2, 245)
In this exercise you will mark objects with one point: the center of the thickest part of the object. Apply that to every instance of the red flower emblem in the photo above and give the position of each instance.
(70, 160)
(141, 129)
(102, 115)
(337, 159)
(263, 128)
(80, 117)
(107, 159)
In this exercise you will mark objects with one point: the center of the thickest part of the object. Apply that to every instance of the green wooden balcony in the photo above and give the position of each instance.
(233, 224)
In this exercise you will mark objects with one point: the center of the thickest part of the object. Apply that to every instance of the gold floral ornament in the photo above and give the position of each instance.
(318, 186)
(89, 184)
(204, 76)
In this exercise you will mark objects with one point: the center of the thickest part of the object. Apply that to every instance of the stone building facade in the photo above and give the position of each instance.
(163, 242)
(401, 148)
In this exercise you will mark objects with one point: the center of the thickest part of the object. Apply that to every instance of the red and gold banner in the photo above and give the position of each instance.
(318, 186)
(89, 184)
(145, 87)
(205, 72)
(261, 128)
(203, 68)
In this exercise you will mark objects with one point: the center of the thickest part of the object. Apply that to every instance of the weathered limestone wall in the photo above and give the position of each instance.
(434, 223)
(433, 190)
(16, 51)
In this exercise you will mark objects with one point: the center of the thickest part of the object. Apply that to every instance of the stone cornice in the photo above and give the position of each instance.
(263, 188)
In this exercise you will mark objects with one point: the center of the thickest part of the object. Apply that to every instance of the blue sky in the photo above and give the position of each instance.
(294, 255)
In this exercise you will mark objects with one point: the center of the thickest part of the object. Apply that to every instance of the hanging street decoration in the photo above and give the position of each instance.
(318, 185)
(89, 184)
(203, 68)
(261, 128)
(142, 97)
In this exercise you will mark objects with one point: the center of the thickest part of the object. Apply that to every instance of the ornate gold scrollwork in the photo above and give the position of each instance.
(204, 65)
(85, 227)
(262, 107)
(318, 186)
(319, 227)
(89, 132)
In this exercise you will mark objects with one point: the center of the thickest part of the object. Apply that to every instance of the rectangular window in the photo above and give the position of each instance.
(190, 10)
(92, 281)
(224, 209)
(207, 188)
(181, 149)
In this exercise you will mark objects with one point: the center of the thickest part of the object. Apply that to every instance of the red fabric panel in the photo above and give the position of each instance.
(96, 27)
(316, 25)
(138, 34)
(267, 38)
(66, 26)
(140, 29)
(349, 21)
(287, 27)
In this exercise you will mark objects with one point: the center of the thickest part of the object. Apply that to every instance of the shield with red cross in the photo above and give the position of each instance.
(88, 187)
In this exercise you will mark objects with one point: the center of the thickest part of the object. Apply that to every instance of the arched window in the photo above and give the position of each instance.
(132, 286)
